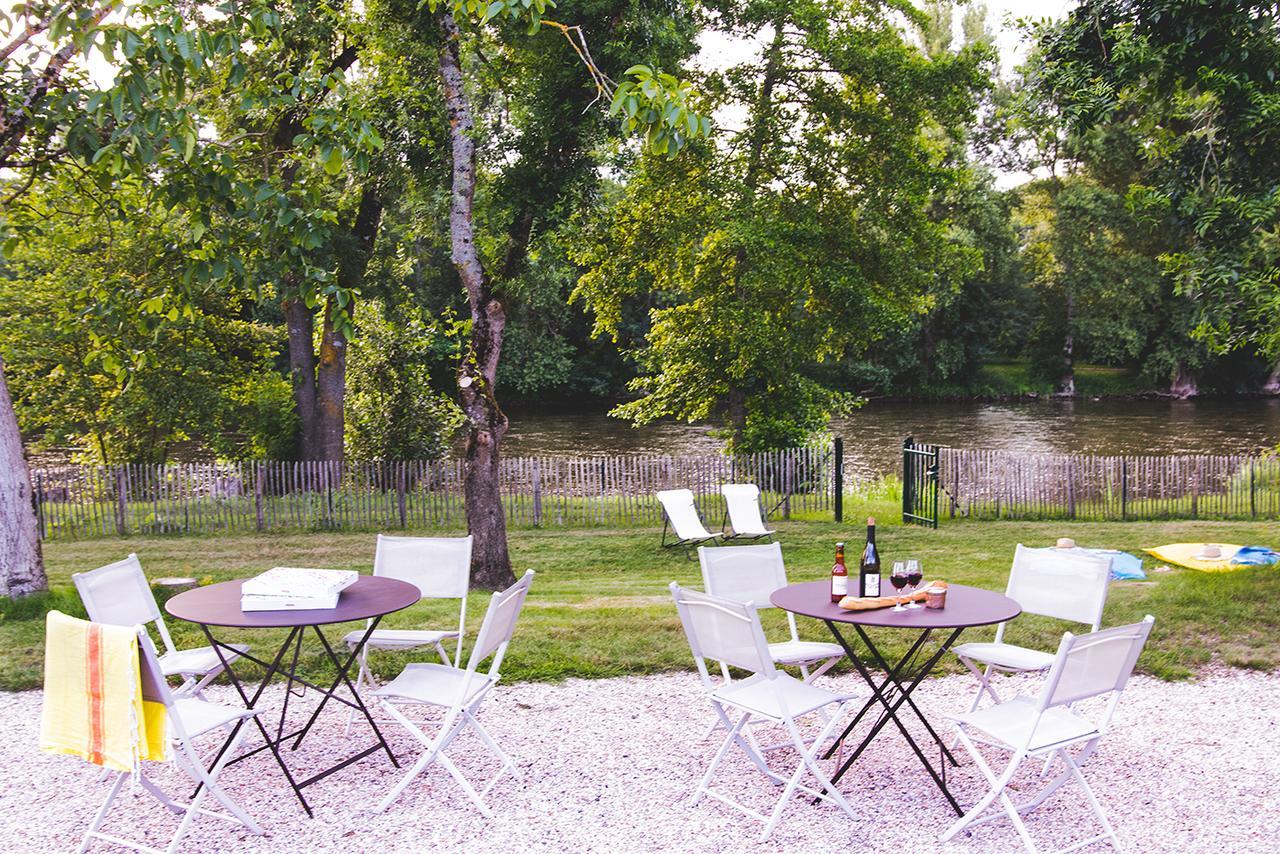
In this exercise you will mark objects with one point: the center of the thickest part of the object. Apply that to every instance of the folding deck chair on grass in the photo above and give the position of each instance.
(742, 507)
(681, 515)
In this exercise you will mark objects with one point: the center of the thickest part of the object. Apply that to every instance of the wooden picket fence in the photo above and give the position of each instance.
(89, 501)
(1008, 485)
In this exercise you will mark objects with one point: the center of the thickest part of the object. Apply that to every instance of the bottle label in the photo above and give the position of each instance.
(873, 585)
(840, 585)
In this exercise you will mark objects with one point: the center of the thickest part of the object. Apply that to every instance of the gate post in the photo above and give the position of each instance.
(908, 483)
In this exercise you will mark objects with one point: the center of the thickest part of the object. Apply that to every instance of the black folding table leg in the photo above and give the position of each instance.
(342, 676)
(249, 704)
(354, 693)
(893, 674)
(876, 693)
(891, 709)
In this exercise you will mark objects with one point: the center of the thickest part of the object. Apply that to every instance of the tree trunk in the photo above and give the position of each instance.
(1272, 385)
(1067, 385)
(302, 372)
(21, 563)
(1184, 384)
(477, 374)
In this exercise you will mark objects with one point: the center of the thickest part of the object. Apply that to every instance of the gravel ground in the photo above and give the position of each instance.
(607, 765)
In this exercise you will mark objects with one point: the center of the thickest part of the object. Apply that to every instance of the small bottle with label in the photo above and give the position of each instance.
(839, 576)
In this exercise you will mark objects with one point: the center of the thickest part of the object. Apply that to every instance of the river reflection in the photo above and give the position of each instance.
(873, 434)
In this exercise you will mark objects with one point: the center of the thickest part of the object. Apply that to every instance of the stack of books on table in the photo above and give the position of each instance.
(287, 588)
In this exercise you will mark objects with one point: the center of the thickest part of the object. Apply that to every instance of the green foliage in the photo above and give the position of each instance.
(87, 368)
(803, 243)
(393, 412)
(1185, 92)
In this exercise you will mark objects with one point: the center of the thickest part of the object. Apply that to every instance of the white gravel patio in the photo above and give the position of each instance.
(608, 764)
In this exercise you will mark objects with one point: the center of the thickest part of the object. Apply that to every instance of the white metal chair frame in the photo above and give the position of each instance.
(744, 511)
(155, 688)
(751, 574)
(1085, 666)
(728, 631)
(433, 582)
(461, 699)
(132, 604)
(1048, 583)
(680, 513)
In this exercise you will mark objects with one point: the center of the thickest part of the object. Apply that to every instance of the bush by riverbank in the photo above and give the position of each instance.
(600, 607)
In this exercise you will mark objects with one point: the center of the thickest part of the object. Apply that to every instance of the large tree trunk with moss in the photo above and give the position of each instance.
(319, 379)
(1183, 386)
(1272, 385)
(478, 372)
(21, 563)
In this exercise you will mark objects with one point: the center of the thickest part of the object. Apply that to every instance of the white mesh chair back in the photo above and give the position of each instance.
(723, 630)
(440, 567)
(743, 503)
(680, 509)
(1094, 664)
(154, 686)
(1055, 583)
(117, 594)
(743, 573)
(500, 623)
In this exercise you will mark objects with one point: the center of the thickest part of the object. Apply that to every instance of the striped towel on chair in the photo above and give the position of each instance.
(93, 700)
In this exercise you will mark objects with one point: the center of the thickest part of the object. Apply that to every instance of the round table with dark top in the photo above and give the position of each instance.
(369, 598)
(966, 607)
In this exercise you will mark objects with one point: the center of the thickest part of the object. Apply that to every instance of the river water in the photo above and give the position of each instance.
(873, 434)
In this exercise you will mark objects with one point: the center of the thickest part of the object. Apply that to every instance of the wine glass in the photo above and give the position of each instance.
(914, 575)
(898, 578)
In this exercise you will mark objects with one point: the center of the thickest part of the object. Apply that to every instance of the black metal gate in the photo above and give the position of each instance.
(919, 483)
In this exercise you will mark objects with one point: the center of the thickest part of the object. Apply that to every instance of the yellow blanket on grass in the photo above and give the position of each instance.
(94, 706)
(1185, 554)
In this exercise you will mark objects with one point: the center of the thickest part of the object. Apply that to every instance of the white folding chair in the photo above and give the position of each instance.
(1048, 582)
(1047, 726)
(742, 505)
(751, 574)
(440, 567)
(459, 692)
(681, 514)
(189, 718)
(728, 631)
(118, 594)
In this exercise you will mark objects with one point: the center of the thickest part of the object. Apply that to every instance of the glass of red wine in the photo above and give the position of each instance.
(914, 576)
(898, 578)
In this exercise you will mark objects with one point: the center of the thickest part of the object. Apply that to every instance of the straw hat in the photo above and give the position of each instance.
(1065, 543)
(1209, 552)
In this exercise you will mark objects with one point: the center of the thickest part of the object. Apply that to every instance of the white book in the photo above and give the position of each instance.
(287, 603)
(297, 582)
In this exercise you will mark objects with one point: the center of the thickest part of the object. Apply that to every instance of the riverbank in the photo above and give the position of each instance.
(600, 607)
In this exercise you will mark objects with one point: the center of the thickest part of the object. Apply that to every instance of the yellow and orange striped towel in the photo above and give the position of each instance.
(93, 701)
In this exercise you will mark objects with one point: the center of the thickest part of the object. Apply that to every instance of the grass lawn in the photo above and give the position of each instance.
(599, 605)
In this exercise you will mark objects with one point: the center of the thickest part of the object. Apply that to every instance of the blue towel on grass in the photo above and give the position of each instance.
(1124, 566)
(1255, 556)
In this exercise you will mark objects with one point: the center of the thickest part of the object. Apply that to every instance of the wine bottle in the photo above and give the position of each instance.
(839, 576)
(869, 575)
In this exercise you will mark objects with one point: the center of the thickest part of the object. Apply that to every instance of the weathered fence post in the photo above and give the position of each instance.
(122, 497)
(838, 478)
(907, 480)
(1253, 506)
(39, 502)
(257, 496)
(401, 501)
(1124, 488)
(537, 493)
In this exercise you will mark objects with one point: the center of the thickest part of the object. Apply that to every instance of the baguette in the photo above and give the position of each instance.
(871, 603)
